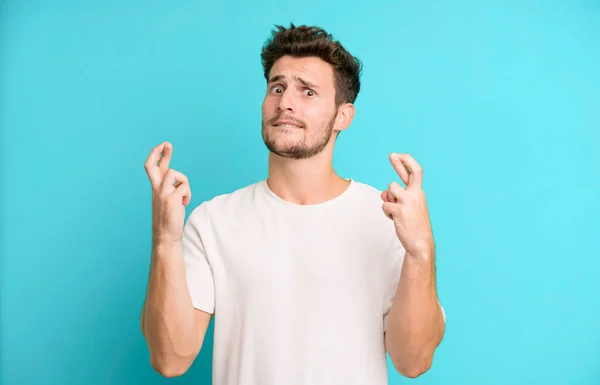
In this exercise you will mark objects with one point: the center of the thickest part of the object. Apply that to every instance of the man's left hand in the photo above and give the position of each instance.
(407, 207)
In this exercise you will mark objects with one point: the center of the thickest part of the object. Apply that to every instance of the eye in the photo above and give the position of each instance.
(309, 92)
(277, 89)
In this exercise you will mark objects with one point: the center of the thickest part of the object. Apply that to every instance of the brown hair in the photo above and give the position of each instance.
(303, 41)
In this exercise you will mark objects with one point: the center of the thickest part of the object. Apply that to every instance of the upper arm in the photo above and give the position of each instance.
(198, 267)
(393, 267)
(202, 321)
(199, 275)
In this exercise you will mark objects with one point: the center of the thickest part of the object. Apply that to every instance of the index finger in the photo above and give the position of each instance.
(415, 170)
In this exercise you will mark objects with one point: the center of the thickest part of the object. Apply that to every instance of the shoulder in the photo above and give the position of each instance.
(366, 196)
(365, 203)
(366, 190)
(237, 196)
(223, 203)
(368, 205)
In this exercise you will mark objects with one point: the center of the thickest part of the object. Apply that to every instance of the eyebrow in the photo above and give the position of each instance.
(306, 83)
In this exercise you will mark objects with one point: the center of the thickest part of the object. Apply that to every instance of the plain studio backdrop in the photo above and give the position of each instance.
(499, 101)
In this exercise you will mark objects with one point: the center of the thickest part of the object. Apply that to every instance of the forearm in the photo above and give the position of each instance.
(168, 320)
(415, 322)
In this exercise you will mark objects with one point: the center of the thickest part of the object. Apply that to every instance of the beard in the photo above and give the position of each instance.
(300, 149)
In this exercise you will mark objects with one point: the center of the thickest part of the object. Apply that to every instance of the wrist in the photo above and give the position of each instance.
(421, 255)
(162, 246)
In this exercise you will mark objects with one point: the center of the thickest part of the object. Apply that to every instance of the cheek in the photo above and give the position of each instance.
(317, 117)
(270, 103)
(266, 109)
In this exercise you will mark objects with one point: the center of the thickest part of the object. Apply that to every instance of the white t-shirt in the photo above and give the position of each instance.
(300, 293)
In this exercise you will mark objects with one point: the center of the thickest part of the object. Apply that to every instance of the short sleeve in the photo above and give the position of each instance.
(198, 271)
(394, 261)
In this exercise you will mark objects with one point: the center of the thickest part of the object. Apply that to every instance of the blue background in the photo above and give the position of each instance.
(498, 101)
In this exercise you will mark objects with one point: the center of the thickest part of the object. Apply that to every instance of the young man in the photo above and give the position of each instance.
(311, 277)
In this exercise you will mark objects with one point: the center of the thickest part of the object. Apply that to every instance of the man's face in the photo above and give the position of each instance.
(298, 112)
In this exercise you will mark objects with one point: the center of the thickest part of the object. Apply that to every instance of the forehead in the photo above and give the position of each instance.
(312, 69)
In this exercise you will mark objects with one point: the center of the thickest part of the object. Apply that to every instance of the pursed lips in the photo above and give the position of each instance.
(286, 123)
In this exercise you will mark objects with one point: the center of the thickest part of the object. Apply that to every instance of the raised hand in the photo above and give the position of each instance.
(407, 207)
(171, 192)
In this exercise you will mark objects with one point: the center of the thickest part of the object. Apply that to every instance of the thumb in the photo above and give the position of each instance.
(183, 192)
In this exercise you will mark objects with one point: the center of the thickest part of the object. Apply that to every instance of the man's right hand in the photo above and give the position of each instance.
(171, 192)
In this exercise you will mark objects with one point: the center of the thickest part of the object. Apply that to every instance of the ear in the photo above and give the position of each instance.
(344, 116)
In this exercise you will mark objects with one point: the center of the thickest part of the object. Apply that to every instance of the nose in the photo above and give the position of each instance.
(286, 102)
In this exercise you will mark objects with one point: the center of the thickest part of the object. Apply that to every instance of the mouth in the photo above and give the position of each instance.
(286, 124)
(290, 126)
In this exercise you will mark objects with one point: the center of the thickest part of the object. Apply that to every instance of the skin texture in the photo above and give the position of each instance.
(300, 122)
(415, 324)
(174, 330)
(301, 91)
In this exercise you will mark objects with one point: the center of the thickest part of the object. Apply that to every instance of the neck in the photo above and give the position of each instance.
(305, 181)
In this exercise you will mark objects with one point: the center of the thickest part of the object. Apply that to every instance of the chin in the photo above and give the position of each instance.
(292, 149)
(283, 147)
(290, 142)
